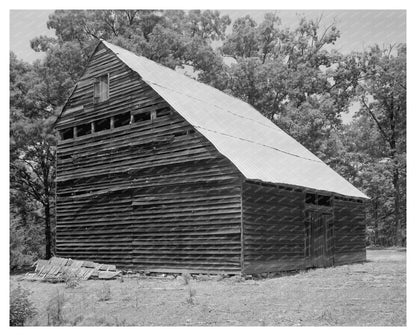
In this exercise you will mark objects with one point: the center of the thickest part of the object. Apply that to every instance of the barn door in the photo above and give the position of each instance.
(319, 239)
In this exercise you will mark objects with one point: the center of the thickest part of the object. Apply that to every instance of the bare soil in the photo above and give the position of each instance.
(366, 294)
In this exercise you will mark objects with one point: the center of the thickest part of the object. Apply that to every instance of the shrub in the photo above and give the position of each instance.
(186, 278)
(54, 309)
(104, 294)
(21, 308)
(26, 239)
(77, 320)
(191, 295)
(71, 280)
(115, 322)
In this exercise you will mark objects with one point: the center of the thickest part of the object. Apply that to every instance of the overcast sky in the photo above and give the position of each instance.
(359, 28)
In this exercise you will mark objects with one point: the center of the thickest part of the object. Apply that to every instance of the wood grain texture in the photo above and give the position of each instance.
(150, 195)
(349, 231)
(273, 229)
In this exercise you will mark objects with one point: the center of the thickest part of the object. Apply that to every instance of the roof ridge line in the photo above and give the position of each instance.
(257, 143)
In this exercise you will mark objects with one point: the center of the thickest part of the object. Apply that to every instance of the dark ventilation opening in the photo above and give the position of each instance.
(310, 198)
(65, 157)
(162, 112)
(324, 200)
(101, 125)
(142, 117)
(83, 129)
(67, 133)
(122, 119)
(179, 133)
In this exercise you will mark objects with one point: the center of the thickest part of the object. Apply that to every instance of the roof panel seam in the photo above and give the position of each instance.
(209, 103)
(257, 143)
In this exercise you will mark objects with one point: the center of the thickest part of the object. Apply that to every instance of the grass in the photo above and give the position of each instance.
(367, 294)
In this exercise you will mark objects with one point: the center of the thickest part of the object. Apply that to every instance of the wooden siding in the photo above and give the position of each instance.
(349, 231)
(273, 228)
(151, 195)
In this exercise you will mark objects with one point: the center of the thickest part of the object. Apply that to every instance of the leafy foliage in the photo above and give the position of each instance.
(21, 308)
(289, 75)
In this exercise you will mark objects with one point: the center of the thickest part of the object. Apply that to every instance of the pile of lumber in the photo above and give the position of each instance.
(60, 269)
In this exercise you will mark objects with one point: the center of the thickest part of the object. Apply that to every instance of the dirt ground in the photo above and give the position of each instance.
(366, 294)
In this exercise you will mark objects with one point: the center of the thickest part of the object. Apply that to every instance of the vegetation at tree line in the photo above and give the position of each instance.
(292, 76)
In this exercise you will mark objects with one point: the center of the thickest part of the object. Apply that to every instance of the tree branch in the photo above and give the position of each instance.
(383, 133)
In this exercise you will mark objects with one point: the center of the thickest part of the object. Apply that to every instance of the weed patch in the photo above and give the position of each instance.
(21, 308)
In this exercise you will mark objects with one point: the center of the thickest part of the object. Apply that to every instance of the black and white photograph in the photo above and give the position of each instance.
(199, 167)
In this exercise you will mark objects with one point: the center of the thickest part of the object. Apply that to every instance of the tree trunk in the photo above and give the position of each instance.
(396, 185)
(376, 228)
(48, 238)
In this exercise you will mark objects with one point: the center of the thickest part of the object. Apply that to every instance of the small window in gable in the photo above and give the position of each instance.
(101, 89)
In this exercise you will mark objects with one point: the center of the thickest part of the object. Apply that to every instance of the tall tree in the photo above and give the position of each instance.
(382, 94)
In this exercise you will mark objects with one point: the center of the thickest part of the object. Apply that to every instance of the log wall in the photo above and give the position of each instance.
(349, 231)
(152, 194)
(273, 228)
(273, 221)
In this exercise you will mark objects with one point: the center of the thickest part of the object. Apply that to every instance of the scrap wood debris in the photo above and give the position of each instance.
(60, 269)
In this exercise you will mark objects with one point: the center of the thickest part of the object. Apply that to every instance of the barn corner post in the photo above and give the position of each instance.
(242, 268)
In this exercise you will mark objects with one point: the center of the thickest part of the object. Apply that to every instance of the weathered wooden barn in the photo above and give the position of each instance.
(158, 172)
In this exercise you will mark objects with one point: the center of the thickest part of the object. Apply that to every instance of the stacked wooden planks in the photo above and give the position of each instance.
(61, 269)
(150, 195)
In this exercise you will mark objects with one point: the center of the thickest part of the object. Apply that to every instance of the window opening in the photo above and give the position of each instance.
(83, 129)
(67, 133)
(324, 200)
(122, 119)
(310, 198)
(142, 117)
(101, 89)
(101, 125)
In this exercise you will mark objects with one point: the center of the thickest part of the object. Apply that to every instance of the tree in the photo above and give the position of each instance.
(32, 143)
(288, 75)
(382, 94)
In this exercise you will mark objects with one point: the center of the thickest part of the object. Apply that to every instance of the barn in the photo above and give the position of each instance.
(161, 173)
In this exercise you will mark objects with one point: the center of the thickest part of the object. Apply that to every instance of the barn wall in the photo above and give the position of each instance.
(151, 195)
(273, 229)
(349, 231)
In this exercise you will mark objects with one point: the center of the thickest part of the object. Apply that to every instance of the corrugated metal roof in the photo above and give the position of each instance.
(254, 144)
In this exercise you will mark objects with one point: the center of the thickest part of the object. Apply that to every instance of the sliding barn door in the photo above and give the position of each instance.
(319, 239)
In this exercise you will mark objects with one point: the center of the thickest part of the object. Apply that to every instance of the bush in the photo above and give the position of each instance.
(186, 278)
(191, 295)
(26, 241)
(21, 308)
(71, 280)
(104, 294)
